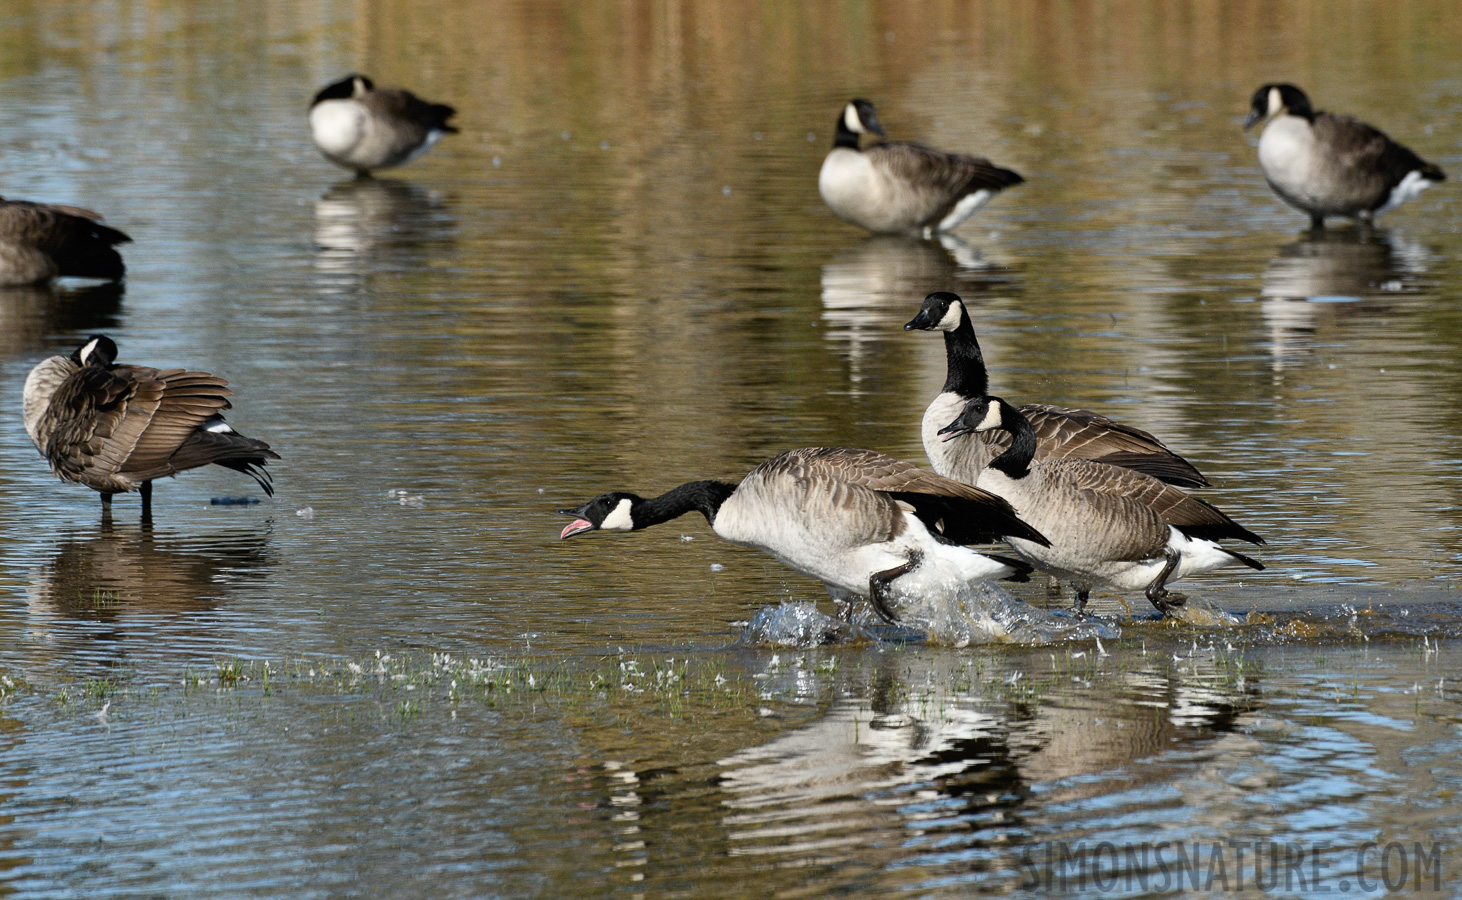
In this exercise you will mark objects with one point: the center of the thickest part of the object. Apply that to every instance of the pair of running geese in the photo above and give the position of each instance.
(1076, 494)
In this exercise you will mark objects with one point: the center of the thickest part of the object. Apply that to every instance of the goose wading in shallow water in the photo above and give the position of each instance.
(1105, 524)
(115, 428)
(900, 187)
(1329, 165)
(865, 524)
(362, 127)
(1060, 432)
(40, 241)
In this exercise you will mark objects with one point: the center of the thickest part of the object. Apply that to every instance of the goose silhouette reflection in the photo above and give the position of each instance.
(1327, 277)
(31, 314)
(365, 224)
(866, 288)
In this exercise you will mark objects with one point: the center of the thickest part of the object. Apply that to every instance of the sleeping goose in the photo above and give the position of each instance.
(863, 523)
(1060, 432)
(897, 186)
(1105, 524)
(362, 127)
(115, 428)
(1329, 165)
(39, 241)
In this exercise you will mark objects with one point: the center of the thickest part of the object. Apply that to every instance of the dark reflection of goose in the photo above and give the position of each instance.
(1350, 269)
(877, 776)
(867, 288)
(107, 573)
(376, 223)
(31, 314)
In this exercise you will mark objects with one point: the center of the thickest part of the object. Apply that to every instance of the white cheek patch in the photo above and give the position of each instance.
(87, 351)
(1276, 102)
(850, 119)
(991, 420)
(618, 518)
(952, 317)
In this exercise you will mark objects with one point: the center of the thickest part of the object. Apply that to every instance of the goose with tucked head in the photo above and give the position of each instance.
(115, 428)
(863, 523)
(1331, 165)
(41, 241)
(902, 187)
(1105, 524)
(362, 127)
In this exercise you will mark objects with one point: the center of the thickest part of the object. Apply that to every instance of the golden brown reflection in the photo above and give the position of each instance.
(31, 314)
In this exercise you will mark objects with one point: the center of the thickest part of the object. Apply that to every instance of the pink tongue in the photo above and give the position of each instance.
(574, 527)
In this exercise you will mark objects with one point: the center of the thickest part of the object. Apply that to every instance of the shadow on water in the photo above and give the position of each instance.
(31, 314)
(104, 592)
(1330, 277)
(365, 225)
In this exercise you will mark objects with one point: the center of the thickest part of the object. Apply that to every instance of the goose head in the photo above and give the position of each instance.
(859, 118)
(980, 414)
(942, 311)
(1277, 99)
(99, 350)
(350, 86)
(613, 511)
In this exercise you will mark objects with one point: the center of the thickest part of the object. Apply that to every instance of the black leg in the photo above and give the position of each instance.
(147, 501)
(1317, 223)
(1082, 594)
(879, 583)
(1160, 596)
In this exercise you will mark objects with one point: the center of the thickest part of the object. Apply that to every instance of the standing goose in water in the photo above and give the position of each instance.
(1329, 165)
(1060, 432)
(39, 242)
(115, 428)
(1106, 524)
(362, 127)
(900, 187)
(863, 523)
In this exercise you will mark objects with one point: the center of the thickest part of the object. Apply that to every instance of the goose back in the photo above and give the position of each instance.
(40, 241)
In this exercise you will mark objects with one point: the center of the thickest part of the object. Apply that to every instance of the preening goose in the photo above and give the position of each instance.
(1060, 432)
(362, 127)
(1329, 165)
(39, 241)
(865, 524)
(1105, 524)
(897, 186)
(115, 428)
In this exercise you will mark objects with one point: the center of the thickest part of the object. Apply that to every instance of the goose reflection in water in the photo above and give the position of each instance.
(31, 314)
(908, 769)
(108, 574)
(370, 224)
(866, 288)
(1327, 275)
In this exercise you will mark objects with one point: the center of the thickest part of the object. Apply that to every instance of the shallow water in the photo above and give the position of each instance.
(620, 275)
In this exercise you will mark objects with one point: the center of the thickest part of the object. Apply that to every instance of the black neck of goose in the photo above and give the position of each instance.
(704, 497)
(1016, 460)
(845, 136)
(966, 375)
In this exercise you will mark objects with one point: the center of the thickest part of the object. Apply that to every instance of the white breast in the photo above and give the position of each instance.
(337, 125)
(853, 190)
(1288, 155)
(960, 459)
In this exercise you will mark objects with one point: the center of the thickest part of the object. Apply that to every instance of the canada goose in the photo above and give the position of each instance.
(115, 428)
(1329, 165)
(855, 519)
(360, 127)
(1060, 431)
(39, 241)
(1105, 523)
(898, 186)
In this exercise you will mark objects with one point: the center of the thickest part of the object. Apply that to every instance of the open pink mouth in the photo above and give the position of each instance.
(575, 527)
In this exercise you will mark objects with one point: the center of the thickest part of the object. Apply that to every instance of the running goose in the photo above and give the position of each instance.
(115, 428)
(857, 520)
(362, 127)
(1329, 165)
(39, 241)
(1106, 524)
(897, 186)
(1060, 432)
